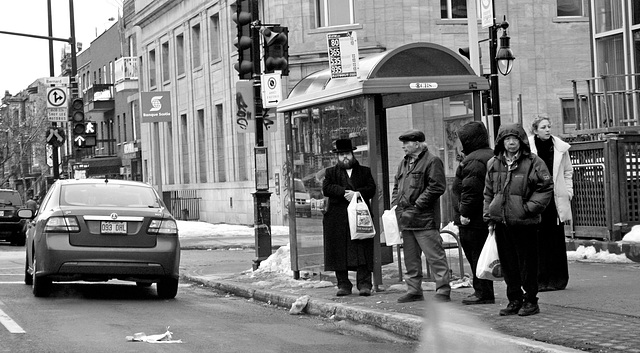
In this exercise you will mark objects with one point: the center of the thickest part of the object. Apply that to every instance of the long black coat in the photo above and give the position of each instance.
(340, 252)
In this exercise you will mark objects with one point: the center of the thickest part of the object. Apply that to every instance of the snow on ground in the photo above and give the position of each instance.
(279, 263)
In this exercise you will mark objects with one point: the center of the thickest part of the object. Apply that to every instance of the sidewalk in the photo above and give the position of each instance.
(598, 312)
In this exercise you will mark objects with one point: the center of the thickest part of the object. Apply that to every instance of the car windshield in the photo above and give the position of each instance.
(299, 186)
(10, 198)
(108, 194)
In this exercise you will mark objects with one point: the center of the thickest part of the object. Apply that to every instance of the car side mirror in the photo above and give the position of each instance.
(25, 213)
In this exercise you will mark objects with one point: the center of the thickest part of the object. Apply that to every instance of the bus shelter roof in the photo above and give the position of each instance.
(412, 73)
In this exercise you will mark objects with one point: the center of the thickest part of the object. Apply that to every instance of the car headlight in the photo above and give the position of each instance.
(68, 224)
(163, 226)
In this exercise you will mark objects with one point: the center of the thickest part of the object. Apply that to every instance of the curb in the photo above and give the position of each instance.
(406, 325)
(403, 325)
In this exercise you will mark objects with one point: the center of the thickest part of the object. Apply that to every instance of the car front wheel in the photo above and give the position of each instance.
(167, 288)
(41, 285)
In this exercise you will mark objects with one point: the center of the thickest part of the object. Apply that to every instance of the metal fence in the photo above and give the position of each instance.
(183, 204)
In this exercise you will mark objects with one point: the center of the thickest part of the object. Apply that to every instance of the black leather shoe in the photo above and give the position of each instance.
(529, 309)
(512, 308)
(342, 292)
(475, 300)
(364, 292)
(410, 298)
(442, 298)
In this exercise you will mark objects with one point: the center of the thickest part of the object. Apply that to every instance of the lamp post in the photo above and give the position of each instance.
(501, 60)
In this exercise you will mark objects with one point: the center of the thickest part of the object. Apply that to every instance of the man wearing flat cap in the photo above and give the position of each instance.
(341, 254)
(419, 183)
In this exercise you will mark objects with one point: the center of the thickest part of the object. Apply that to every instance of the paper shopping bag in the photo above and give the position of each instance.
(489, 262)
(360, 222)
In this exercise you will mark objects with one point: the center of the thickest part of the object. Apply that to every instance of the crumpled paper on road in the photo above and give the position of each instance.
(160, 338)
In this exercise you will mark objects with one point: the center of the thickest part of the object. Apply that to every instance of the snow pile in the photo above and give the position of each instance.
(188, 229)
(633, 236)
(589, 254)
(275, 272)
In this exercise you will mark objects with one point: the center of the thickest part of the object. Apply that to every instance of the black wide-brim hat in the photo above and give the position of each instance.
(343, 145)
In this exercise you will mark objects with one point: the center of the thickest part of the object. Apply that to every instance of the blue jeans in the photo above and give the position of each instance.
(429, 242)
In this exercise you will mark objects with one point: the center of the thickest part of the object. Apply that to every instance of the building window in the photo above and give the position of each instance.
(451, 9)
(202, 147)
(334, 12)
(214, 33)
(220, 155)
(608, 15)
(570, 8)
(569, 110)
(610, 60)
(635, 11)
(152, 68)
(184, 137)
(124, 127)
(180, 54)
(165, 62)
(195, 45)
(170, 163)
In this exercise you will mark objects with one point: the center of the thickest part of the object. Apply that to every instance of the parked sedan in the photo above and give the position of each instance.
(98, 230)
(11, 226)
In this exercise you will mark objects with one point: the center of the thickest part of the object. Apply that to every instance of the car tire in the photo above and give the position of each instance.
(167, 288)
(41, 285)
(28, 279)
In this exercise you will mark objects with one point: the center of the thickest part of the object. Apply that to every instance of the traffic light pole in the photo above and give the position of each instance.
(261, 197)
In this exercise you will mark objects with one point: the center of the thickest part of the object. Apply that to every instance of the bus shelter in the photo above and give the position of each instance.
(419, 85)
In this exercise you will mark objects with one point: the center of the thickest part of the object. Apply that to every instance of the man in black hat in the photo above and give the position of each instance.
(341, 254)
(419, 182)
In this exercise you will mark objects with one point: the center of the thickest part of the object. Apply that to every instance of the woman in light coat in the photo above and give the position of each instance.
(553, 271)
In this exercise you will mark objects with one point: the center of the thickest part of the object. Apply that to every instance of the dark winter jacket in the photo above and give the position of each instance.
(340, 252)
(516, 195)
(468, 185)
(417, 191)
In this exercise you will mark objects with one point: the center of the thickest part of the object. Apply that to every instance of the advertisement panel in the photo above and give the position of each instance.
(156, 106)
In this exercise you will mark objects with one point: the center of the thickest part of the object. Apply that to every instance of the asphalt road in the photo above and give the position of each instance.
(81, 317)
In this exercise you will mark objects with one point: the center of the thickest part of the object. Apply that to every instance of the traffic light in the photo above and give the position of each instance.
(246, 13)
(77, 116)
(90, 134)
(276, 49)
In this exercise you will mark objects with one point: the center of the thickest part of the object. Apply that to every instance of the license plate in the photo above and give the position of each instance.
(113, 227)
(1, 213)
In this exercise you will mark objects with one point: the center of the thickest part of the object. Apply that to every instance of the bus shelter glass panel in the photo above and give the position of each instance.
(314, 132)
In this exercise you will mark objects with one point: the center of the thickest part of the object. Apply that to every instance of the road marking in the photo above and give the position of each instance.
(11, 325)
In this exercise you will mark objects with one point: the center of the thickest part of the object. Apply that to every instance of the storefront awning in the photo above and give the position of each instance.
(409, 74)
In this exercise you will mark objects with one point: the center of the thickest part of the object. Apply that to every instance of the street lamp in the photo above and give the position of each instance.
(501, 60)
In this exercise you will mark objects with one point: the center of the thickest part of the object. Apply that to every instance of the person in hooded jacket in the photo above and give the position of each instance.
(518, 187)
(553, 269)
(467, 191)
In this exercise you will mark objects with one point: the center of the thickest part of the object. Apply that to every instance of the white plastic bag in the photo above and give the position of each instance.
(489, 263)
(390, 226)
(360, 222)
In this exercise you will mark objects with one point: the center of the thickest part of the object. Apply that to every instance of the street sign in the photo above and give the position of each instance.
(55, 136)
(271, 90)
(57, 114)
(57, 81)
(486, 11)
(343, 54)
(56, 97)
(245, 111)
